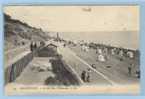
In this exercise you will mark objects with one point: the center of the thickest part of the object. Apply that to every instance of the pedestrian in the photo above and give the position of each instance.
(83, 76)
(88, 75)
(64, 45)
(31, 46)
(129, 70)
(35, 46)
(138, 73)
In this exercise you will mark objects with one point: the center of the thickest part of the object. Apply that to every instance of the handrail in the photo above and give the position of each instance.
(14, 69)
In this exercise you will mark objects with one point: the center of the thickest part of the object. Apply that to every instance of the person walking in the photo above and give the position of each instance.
(31, 46)
(129, 70)
(35, 46)
(88, 75)
(138, 73)
(83, 76)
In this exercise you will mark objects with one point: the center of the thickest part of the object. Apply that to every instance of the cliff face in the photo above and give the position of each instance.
(17, 33)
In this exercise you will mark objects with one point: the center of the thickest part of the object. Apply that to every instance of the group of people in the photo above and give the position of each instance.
(130, 70)
(123, 53)
(103, 53)
(85, 75)
(85, 48)
(33, 46)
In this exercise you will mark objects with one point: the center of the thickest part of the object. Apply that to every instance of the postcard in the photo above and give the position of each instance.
(71, 49)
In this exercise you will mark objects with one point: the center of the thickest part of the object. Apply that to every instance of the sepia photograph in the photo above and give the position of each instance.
(71, 49)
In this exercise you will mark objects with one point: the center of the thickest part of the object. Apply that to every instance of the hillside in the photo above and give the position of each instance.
(17, 33)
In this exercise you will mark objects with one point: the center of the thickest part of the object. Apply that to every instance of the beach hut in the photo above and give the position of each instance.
(101, 58)
(130, 54)
(113, 51)
(85, 48)
(105, 51)
(121, 53)
(99, 51)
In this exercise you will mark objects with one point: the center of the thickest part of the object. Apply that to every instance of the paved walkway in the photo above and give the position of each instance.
(31, 76)
(8, 62)
(78, 65)
(13, 55)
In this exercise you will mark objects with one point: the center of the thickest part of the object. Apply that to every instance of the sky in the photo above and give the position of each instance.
(75, 19)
